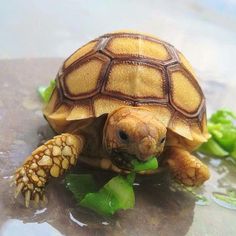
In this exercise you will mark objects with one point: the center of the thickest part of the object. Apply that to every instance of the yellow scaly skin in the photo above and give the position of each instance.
(51, 159)
(186, 168)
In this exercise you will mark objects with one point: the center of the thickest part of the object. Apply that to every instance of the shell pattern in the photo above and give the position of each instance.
(131, 69)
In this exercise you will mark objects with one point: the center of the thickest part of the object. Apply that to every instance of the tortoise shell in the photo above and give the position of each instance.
(128, 69)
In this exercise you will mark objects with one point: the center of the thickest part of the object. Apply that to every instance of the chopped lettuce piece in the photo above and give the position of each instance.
(46, 92)
(213, 148)
(222, 127)
(131, 177)
(115, 195)
(80, 185)
(150, 164)
(223, 116)
(224, 134)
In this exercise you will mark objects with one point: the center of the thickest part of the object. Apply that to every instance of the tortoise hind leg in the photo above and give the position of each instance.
(185, 167)
(51, 159)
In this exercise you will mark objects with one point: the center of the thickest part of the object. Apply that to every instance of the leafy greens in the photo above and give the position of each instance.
(116, 194)
(46, 92)
(222, 127)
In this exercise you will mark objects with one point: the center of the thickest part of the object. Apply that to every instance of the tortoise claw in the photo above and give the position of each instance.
(27, 198)
(19, 187)
(29, 189)
(36, 200)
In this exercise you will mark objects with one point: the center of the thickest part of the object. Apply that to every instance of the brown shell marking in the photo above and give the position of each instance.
(128, 68)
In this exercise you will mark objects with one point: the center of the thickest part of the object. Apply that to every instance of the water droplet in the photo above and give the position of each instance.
(105, 223)
(76, 221)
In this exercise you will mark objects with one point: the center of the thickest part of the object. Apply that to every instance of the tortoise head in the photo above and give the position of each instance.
(133, 132)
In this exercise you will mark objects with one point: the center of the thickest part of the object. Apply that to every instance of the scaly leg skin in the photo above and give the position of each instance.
(186, 168)
(51, 159)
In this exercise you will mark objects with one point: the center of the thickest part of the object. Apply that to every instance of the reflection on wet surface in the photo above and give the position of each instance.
(12, 227)
(160, 208)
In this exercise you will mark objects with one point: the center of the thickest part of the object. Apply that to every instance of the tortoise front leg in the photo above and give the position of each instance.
(51, 159)
(185, 167)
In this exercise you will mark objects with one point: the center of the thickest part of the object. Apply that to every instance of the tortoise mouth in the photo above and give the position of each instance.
(122, 159)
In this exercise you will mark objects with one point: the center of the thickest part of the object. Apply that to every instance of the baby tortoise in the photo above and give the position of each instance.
(121, 96)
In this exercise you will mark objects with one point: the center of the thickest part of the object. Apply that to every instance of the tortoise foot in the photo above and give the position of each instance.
(186, 168)
(51, 159)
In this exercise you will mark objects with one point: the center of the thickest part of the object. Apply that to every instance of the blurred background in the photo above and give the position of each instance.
(204, 30)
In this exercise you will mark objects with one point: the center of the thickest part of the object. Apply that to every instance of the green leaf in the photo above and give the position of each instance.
(80, 185)
(46, 92)
(150, 164)
(131, 177)
(101, 202)
(213, 148)
(228, 138)
(233, 153)
(223, 116)
(115, 195)
(222, 128)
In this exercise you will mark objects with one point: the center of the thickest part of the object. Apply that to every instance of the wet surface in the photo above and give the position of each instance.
(160, 208)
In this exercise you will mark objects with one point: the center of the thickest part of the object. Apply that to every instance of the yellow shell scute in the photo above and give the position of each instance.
(103, 105)
(138, 46)
(84, 78)
(80, 53)
(58, 118)
(134, 80)
(163, 114)
(61, 113)
(197, 133)
(80, 112)
(183, 93)
(181, 127)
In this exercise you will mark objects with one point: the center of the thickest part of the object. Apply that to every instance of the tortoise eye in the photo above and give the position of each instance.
(123, 136)
(163, 140)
